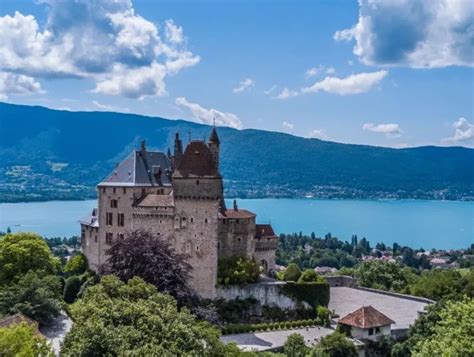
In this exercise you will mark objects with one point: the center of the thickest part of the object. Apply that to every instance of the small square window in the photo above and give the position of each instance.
(371, 331)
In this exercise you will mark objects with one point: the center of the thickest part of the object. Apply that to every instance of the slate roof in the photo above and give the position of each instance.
(366, 317)
(197, 161)
(141, 168)
(263, 231)
(91, 219)
(152, 200)
(240, 213)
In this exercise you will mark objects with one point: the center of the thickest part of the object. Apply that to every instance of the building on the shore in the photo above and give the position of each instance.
(178, 198)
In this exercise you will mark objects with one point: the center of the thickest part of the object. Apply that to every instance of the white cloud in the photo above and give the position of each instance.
(110, 108)
(288, 126)
(313, 71)
(463, 133)
(318, 134)
(101, 40)
(247, 83)
(207, 116)
(174, 33)
(413, 33)
(286, 93)
(390, 130)
(19, 84)
(330, 70)
(270, 90)
(353, 84)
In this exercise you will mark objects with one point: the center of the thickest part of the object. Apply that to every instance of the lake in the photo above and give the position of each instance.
(415, 223)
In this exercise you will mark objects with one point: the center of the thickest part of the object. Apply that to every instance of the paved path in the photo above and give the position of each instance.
(261, 341)
(403, 311)
(56, 332)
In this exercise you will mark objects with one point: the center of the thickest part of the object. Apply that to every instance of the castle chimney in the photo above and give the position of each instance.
(235, 206)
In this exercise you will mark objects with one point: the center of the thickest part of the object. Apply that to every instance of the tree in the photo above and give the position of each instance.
(142, 254)
(76, 265)
(309, 276)
(334, 345)
(323, 315)
(438, 283)
(295, 346)
(34, 296)
(71, 289)
(237, 270)
(133, 318)
(21, 340)
(292, 272)
(383, 275)
(22, 252)
(453, 334)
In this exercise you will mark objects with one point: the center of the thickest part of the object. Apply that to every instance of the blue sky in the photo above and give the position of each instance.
(393, 73)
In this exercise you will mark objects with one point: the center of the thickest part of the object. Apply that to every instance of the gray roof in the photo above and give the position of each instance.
(141, 168)
(91, 219)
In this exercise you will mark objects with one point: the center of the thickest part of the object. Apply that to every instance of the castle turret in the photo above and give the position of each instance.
(178, 150)
(213, 145)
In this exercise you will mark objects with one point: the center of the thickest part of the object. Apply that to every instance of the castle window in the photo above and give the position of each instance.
(109, 219)
(197, 182)
(103, 189)
(143, 192)
(121, 219)
(205, 220)
(239, 239)
(238, 221)
(108, 238)
(83, 233)
(113, 203)
(197, 247)
(115, 190)
(95, 239)
(120, 235)
(124, 190)
(192, 219)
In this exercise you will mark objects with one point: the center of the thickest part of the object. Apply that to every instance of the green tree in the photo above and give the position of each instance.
(439, 283)
(294, 346)
(21, 340)
(22, 252)
(237, 270)
(34, 296)
(334, 345)
(453, 335)
(133, 318)
(76, 265)
(323, 315)
(380, 274)
(292, 272)
(310, 276)
(71, 289)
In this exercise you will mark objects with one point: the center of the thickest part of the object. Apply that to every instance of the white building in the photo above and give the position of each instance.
(367, 323)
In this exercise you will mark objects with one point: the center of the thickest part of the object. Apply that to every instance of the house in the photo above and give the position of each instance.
(366, 323)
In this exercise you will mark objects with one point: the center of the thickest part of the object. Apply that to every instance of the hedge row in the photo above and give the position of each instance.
(272, 326)
(314, 293)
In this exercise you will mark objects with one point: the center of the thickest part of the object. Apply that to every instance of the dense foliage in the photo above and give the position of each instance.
(314, 293)
(237, 270)
(77, 264)
(34, 296)
(334, 345)
(133, 318)
(21, 340)
(141, 254)
(382, 275)
(291, 273)
(22, 252)
(294, 346)
(71, 289)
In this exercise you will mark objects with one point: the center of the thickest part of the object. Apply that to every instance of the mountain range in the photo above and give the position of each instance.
(50, 154)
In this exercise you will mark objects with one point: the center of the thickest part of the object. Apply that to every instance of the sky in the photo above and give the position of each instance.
(396, 73)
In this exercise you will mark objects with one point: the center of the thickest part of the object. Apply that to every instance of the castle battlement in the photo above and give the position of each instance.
(178, 198)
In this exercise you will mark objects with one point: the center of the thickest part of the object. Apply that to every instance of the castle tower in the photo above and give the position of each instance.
(178, 150)
(214, 145)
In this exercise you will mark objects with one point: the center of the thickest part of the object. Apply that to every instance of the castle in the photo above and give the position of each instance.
(178, 198)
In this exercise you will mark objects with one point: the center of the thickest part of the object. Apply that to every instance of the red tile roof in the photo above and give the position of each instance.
(366, 317)
(240, 213)
(152, 200)
(263, 231)
(197, 161)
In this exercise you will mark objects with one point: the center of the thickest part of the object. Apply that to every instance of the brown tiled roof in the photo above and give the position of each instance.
(18, 319)
(240, 213)
(264, 230)
(152, 200)
(366, 317)
(196, 162)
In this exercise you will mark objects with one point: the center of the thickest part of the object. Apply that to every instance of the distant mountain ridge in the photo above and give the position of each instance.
(51, 154)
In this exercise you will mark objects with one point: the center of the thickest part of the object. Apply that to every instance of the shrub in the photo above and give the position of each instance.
(71, 289)
(295, 346)
(292, 272)
(324, 315)
(314, 294)
(310, 276)
(22, 340)
(237, 270)
(76, 265)
(334, 345)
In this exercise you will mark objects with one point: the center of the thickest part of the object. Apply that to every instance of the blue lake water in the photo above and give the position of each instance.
(427, 224)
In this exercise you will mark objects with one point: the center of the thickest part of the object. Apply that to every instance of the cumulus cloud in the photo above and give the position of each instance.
(286, 94)
(413, 33)
(318, 134)
(11, 83)
(353, 84)
(102, 40)
(390, 130)
(463, 133)
(208, 116)
(247, 83)
(288, 126)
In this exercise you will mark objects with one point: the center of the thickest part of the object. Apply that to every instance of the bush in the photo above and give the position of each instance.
(314, 294)
(310, 276)
(292, 272)
(324, 316)
(334, 345)
(76, 265)
(295, 346)
(237, 270)
(71, 289)
(22, 340)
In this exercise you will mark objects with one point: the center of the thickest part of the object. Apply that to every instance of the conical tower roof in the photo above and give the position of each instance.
(214, 138)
